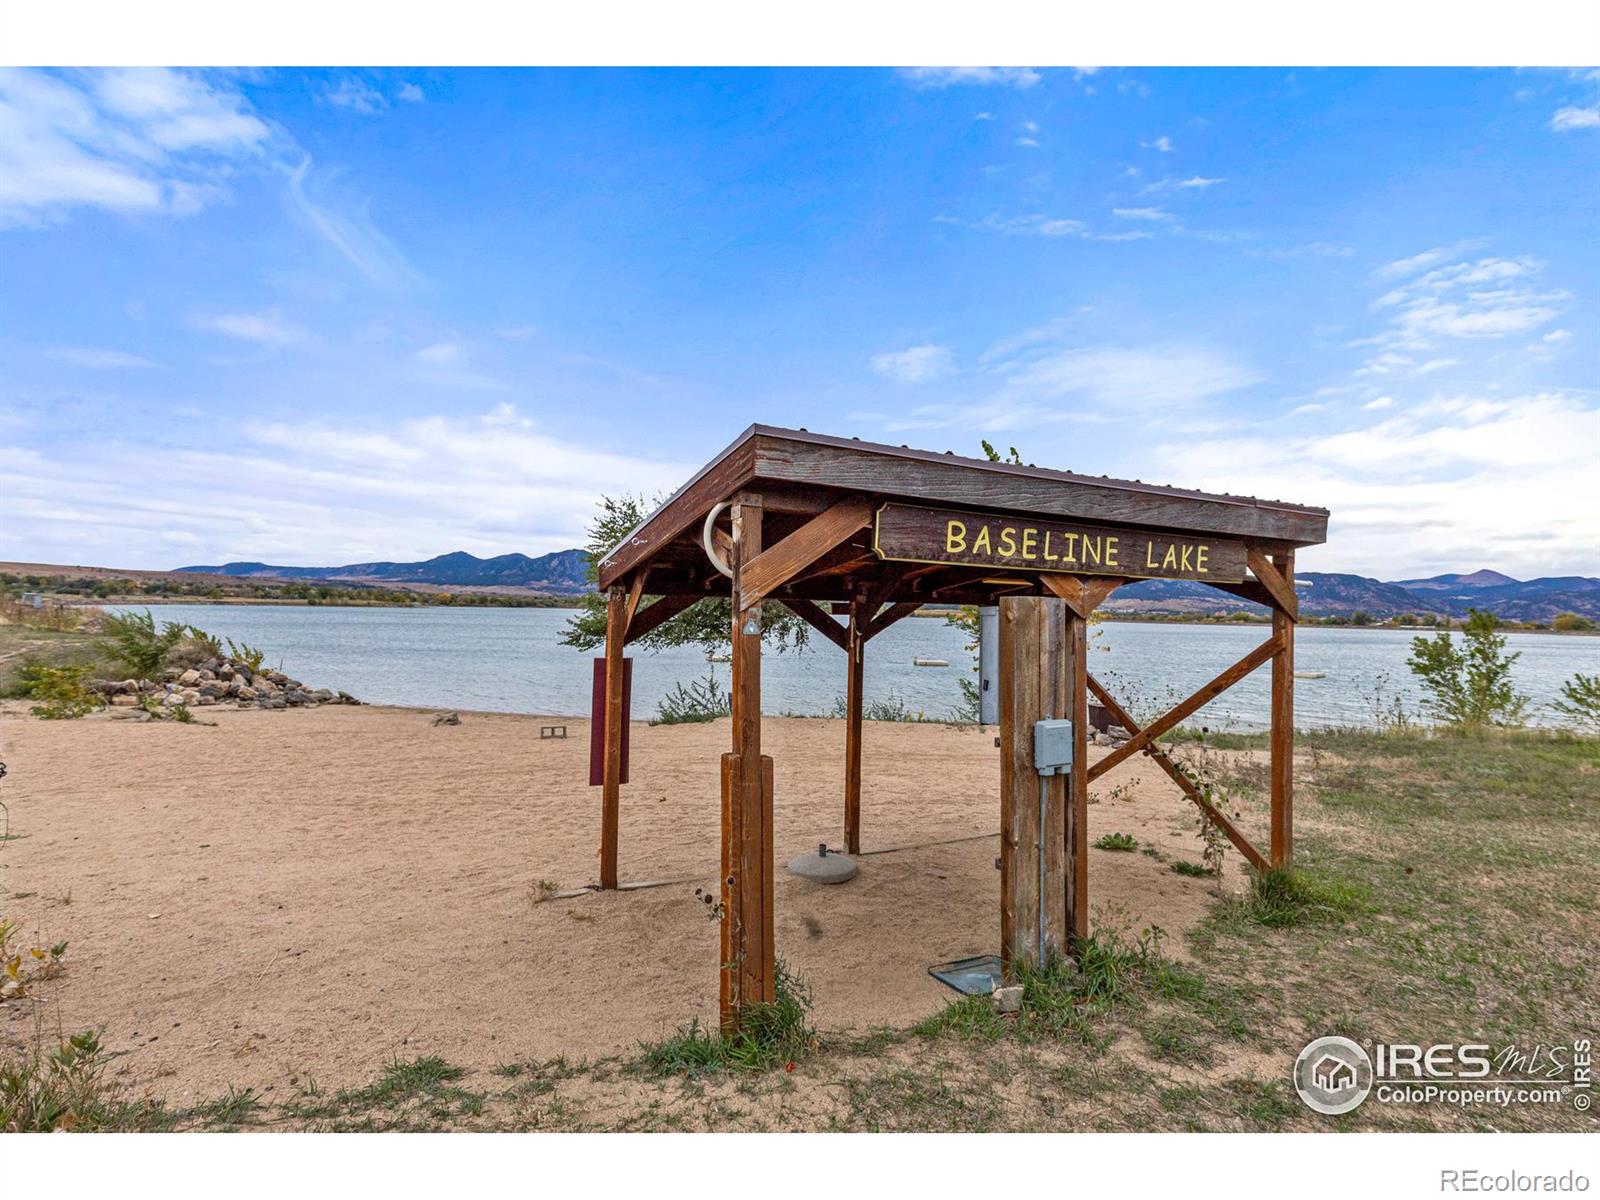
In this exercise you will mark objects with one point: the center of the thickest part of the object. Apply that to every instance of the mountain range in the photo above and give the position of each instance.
(561, 573)
(1322, 594)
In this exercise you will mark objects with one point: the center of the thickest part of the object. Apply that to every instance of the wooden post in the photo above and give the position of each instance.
(1035, 680)
(748, 958)
(611, 794)
(855, 652)
(1282, 765)
(1077, 823)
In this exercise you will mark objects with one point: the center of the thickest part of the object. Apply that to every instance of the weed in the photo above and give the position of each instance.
(1192, 869)
(768, 1035)
(701, 701)
(1280, 896)
(1117, 841)
(229, 1111)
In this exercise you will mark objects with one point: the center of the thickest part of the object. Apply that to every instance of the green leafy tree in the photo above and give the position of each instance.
(707, 623)
(1580, 702)
(132, 640)
(1571, 622)
(1468, 683)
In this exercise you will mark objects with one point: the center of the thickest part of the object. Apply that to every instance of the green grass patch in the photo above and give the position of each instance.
(769, 1035)
(1117, 841)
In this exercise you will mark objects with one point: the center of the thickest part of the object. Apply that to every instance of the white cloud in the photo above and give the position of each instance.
(1028, 142)
(1163, 144)
(1141, 214)
(915, 364)
(943, 77)
(1029, 224)
(1447, 484)
(267, 328)
(125, 141)
(440, 354)
(317, 492)
(983, 116)
(94, 358)
(1567, 119)
(355, 95)
(410, 93)
(1461, 299)
(1380, 403)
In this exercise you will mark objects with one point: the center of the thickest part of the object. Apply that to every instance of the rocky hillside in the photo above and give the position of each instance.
(1324, 594)
(561, 573)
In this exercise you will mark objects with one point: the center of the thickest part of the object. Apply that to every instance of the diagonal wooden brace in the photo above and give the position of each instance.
(1172, 717)
(1213, 814)
(780, 562)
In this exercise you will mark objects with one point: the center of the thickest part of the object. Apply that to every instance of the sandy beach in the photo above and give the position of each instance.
(303, 895)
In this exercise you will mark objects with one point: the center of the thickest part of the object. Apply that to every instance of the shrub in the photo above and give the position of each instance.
(1117, 841)
(1468, 685)
(60, 691)
(1569, 622)
(702, 701)
(1580, 702)
(132, 640)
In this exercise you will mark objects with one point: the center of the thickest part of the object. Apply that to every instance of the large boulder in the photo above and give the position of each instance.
(189, 678)
(246, 694)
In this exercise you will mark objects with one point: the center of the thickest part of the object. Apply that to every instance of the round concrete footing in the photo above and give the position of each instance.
(824, 868)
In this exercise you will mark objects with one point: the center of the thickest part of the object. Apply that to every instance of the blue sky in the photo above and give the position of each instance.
(332, 316)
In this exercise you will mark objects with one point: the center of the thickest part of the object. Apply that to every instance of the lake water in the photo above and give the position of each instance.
(511, 660)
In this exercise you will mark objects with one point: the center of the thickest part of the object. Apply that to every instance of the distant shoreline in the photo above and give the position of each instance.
(575, 602)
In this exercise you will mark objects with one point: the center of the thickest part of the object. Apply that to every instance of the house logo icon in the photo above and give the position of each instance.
(1333, 1075)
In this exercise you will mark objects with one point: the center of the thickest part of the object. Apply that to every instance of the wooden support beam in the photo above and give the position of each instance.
(1174, 716)
(1035, 684)
(611, 784)
(772, 568)
(748, 958)
(1082, 594)
(1077, 799)
(1270, 577)
(855, 649)
(1282, 764)
(889, 616)
(653, 616)
(813, 615)
(1250, 589)
(1164, 761)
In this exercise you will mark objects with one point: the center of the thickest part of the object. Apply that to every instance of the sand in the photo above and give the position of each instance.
(287, 896)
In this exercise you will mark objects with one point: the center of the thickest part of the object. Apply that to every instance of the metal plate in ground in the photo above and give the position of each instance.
(976, 976)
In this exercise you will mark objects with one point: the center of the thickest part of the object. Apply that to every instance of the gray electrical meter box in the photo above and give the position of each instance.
(1052, 746)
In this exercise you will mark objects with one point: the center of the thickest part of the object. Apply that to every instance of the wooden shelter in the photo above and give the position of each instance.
(828, 525)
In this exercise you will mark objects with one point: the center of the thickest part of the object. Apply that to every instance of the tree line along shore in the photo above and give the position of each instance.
(60, 592)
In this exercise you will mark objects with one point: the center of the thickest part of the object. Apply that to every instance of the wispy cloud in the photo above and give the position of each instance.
(410, 93)
(1141, 214)
(943, 77)
(93, 358)
(1162, 143)
(356, 96)
(1195, 183)
(126, 141)
(915, 364)
(267, 328)
(347, 226)
(440, 354)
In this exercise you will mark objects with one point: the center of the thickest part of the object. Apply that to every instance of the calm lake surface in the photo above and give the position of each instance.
(511, 660)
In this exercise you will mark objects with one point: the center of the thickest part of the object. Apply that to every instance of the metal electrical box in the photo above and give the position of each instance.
(988, 665)
(1052, 746)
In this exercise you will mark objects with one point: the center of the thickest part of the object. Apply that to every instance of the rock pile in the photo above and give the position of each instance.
(217, 681)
